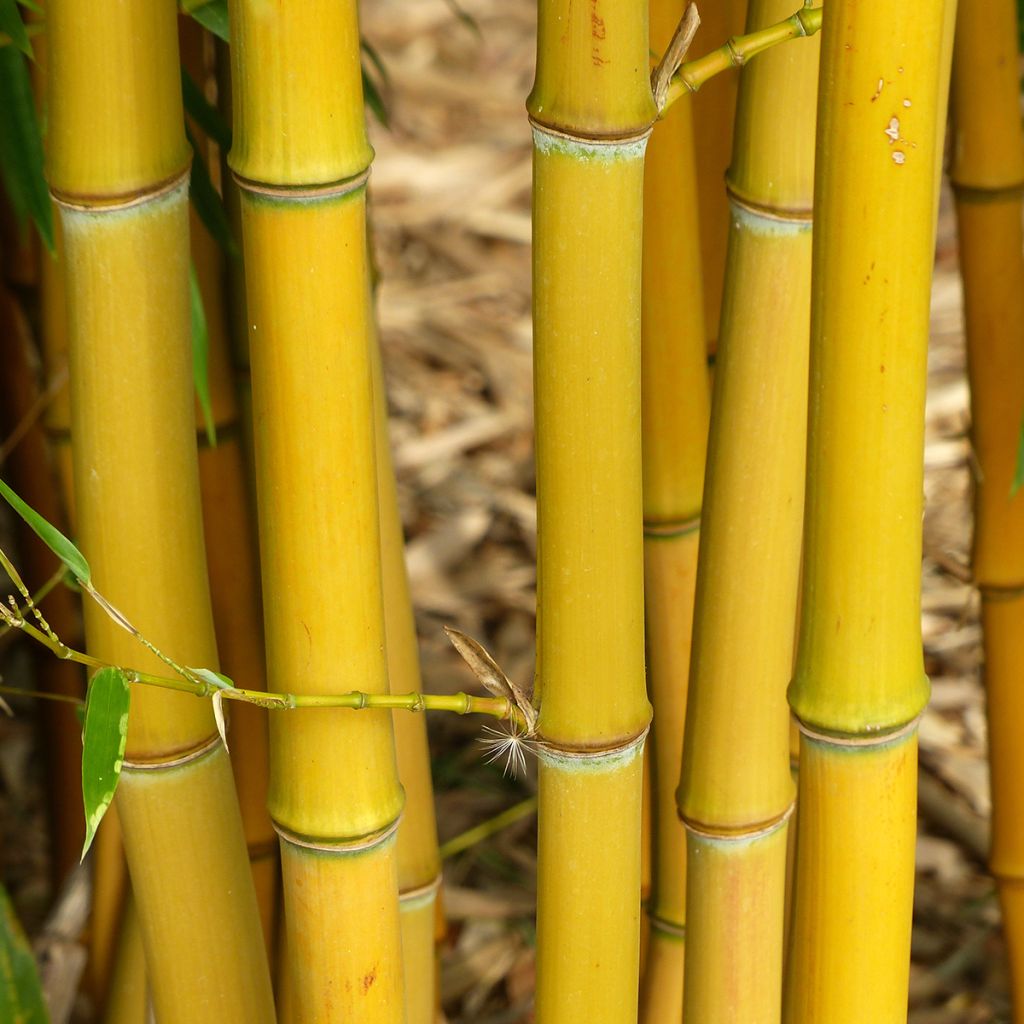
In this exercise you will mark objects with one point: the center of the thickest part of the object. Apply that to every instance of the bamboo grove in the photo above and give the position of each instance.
(734, 214)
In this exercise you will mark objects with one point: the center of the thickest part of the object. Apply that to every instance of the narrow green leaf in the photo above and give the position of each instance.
(376, 60)
(13, 27)
(21, 146)
(103, 743)
(21, 996)
(200, 354)
(374, 100)
(203, 112)
(49, 535)
(211, 14)
(215, 679)
(208, 203)
(30, 5)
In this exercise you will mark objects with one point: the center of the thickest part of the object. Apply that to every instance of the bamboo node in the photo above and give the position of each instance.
(195, 754)
(798, 218)
(994, 592)
(329, 190)
(666, 529)
(589, 139)
(876, 739)
(564, 757)
(340, 846)
(760, 829)
(419, 895)
(106, 204)
(663, 925)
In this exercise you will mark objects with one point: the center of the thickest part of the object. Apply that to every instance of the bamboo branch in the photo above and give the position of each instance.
(735, 52)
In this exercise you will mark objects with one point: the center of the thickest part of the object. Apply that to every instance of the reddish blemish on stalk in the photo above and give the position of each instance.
(597, 33)
(368, 980)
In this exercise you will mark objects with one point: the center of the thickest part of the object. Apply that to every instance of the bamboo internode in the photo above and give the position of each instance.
(988, 181)
(118, 164)
(676, 404)
(301, 158)
(736, 791)
(859, 684)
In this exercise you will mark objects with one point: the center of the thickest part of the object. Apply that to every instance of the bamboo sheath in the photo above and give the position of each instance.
(714, 108)
(118, 164)
(988, 179)
(675, 411)
(591, 109)
(736, 789)
(859, 685)
(300, 156)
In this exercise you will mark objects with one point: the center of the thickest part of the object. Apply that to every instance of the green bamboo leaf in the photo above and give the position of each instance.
(203, 112)
(200, 354)
(1018, 476)
(21, 146)
(374, 100)
(465, 17)
(215, 679)
(29, 5)
(211, 14)
(21, 996)
(49, 535)
(208, 203)
(13, 27)
(103, 743)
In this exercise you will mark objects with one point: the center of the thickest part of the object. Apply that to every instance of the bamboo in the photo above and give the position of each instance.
(713, 111)
(859, 685)
(230, 538)
(300, 155)
(591, 108)
(736, 790)
(675, 411)
(117, 164)
(988, 180)
(419, 864)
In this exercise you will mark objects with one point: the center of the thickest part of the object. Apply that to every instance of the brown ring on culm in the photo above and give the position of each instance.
(990, 592)
(590, 140)
(547, 750)
(668, 528)
(801, 216)
(879, 739)
(420, 891)
(101, 204)
(195, 754)
(764, 828)
(367, 842)
(329, 190)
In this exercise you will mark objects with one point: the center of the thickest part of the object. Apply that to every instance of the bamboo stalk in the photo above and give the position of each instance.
(118, 166)
(301, 157)
(713, 111)
(419, 863)
(736, 790)
(675, 411)
(230, 537)
(988, 181)
(859, 685)
(591, 110)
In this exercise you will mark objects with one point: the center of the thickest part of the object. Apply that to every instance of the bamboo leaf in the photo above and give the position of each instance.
(211, 14)
(465, 17)
(49, 535)
(218, 717)
(30, 5)
(21, 996)
(491, 677)
(203, 112)
(208, 203)
(1018, 476)
(21, 146)
(12, 26)
(215, 679)
(103, 743)
(200, 354)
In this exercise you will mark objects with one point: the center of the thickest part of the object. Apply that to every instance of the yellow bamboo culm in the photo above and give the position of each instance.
(301, 157)
(118, 164)
(736, 790)
(714, 108)
(591, 109)
(419, 865)
(859, 685)
(675, 411)
(988, 181)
